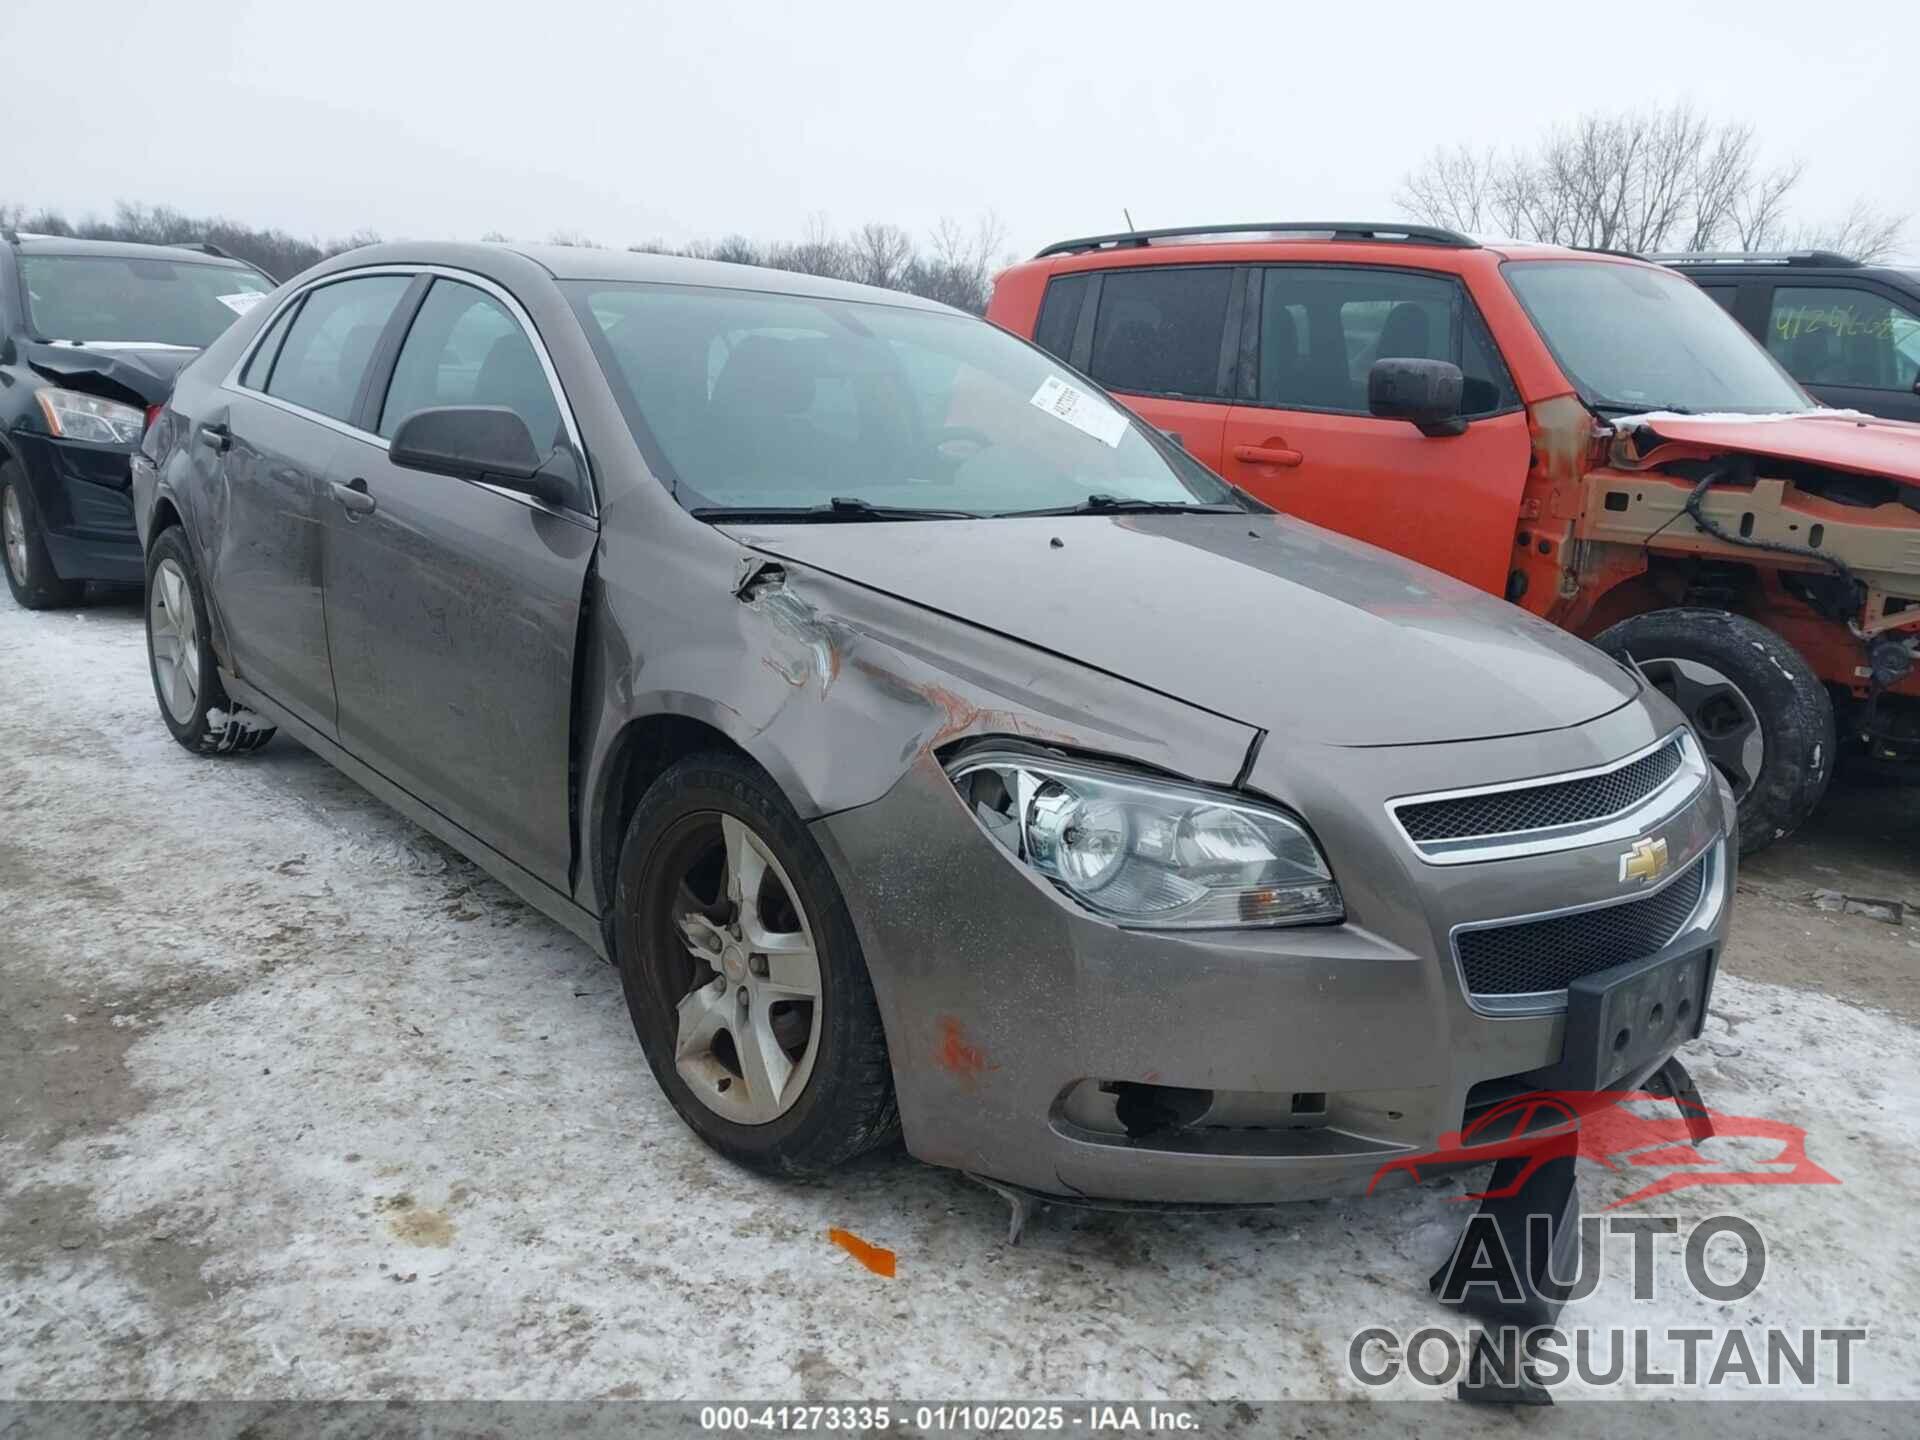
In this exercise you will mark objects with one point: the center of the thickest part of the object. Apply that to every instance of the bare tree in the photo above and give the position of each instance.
(1863, 234)
(880, 254)
(1640, 180)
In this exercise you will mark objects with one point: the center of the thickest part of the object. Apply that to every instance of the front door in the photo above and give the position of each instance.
(273, 445)
(453, 606)
(1305, 443)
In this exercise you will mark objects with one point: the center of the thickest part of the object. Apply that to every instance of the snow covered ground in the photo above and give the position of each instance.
(295, 1103)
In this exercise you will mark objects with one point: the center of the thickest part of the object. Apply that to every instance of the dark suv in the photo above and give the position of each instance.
(91, 335)
(1848, 332)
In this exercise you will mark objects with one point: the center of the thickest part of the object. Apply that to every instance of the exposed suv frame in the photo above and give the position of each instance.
(1763, 569)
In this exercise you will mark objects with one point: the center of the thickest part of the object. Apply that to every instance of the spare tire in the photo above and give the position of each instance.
(1762, 715)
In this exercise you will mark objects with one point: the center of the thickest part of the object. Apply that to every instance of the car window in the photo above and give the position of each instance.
(466, 348)
(254, 377)
(1723, 295)
(1321, 329)
(1843, 335)
(742, 399)
(1158, 332)
(1633, 338)
(132, 299)
(331, 342)
(1060, 315)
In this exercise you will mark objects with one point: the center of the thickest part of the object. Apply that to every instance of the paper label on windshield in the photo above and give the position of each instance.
(241, 302)
(1081, 410)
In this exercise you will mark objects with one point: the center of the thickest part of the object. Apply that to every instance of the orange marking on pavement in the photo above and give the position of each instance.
(880, 1261)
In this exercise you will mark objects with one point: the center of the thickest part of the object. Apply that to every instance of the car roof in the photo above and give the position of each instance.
(580, 262)
(1229, 248)
(122, 250)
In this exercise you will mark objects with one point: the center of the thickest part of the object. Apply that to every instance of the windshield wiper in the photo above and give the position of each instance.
(1122, 505)
(1618, 407)
(839, 508)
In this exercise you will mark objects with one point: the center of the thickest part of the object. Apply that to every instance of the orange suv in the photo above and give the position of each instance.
(1587, 434)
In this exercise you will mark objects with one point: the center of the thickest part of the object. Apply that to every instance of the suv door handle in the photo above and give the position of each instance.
(1266, 455)
(353, 497)
(218, 436)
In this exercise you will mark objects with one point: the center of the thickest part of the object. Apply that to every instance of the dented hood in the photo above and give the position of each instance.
(1839, 439)
(141, 374)
(1257, 618)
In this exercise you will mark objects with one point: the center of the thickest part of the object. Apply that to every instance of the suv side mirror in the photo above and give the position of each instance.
(476, 442)
(1426, 392)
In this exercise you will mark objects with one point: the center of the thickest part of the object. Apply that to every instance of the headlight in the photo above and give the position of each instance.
(74, 416)
(1146, 852)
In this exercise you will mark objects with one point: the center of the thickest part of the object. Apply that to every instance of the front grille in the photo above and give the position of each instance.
(1540, 807)
(1537, 956)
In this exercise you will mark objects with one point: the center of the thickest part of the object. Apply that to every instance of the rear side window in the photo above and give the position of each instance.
(1060, 315)
(1159, 331)
(1723, 295)
(331, 342)
(466, 348)
(1843, 335)
(1321, 329)
(254, 377)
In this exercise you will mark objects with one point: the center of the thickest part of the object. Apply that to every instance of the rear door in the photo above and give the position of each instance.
(1300, 436)
(453, 606)
(1161, 338)
(271, 444)
(1852, 344)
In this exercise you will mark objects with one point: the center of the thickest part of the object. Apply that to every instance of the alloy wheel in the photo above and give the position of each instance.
(1721, 715)
(747, 1029)
(13, 526)
(173, 635)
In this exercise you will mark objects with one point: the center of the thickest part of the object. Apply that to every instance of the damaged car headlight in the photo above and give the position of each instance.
(74, 416)
(1148, 852)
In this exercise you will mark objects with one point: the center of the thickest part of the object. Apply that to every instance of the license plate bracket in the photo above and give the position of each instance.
(1623, 1022)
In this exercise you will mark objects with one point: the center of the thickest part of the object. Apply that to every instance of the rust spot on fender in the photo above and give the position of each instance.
(876, 1258)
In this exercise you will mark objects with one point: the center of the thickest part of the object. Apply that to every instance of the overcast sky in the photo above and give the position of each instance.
(631, 121)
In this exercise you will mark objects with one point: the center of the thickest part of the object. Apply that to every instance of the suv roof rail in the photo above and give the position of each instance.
(205, 247)
(1389, 230)
(1755, 257)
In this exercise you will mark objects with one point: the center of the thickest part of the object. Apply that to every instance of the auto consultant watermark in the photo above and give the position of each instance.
(1526, 1253)
(1548, 1355)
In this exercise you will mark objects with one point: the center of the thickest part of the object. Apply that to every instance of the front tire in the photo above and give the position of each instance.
(23, 551)
(1761, 713)
(186, 677)
(744, 976)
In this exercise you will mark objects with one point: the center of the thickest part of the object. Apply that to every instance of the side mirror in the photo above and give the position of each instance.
(476, 442)
(1426, 392)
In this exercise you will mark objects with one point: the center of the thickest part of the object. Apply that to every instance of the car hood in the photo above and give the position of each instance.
(1258, 618)
(144, 373)
(1839, 439)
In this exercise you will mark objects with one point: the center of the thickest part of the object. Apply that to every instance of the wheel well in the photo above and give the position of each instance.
(640, 756)
(164, 515)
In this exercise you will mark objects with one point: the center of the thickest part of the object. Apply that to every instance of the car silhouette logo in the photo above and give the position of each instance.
(1645, 862)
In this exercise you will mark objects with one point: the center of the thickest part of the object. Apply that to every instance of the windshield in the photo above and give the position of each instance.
(1633, 338)
(748, 401)
(135, 300)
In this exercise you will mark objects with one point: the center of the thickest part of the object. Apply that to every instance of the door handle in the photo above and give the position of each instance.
(1266, 455)
(218, 436)
(353, 497)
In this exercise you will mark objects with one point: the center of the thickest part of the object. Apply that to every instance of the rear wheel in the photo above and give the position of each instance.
(1762, 715)
(30, 572)
(744, 976)
(186, 678)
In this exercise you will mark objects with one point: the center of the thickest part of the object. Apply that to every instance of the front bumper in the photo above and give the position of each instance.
(83, 495)
(1029, 1038)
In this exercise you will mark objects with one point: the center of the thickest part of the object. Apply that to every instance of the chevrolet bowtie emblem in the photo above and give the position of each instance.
(1645, 862)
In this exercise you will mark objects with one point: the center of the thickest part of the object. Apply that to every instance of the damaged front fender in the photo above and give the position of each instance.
(837, 690)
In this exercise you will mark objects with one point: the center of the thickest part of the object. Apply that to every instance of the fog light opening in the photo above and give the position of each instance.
(1148, 1110)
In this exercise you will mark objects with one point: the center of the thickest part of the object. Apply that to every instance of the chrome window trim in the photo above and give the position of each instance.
(1701, 920)
(1673, 794)
(231, 382)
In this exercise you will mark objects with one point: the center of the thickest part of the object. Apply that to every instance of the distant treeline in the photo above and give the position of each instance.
(955, 266)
